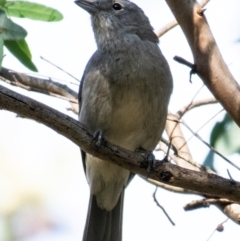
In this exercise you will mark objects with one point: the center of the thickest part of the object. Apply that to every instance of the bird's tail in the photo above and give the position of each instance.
(102, 225)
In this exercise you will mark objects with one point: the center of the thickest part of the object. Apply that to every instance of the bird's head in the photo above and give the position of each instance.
(114, 19)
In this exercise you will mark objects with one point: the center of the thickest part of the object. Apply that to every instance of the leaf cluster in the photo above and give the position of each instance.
(13, 36)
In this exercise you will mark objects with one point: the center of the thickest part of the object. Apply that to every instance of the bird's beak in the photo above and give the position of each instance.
(90, 7)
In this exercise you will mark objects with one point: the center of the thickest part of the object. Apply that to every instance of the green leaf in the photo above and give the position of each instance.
(21, 51)
(24, 46)
(218, 130)
(10, 30)
(209, 160)
(2, 2)
(225, 136)
(32, 10)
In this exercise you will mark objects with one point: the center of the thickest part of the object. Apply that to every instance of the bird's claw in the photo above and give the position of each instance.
(151, 160)
(98, 137)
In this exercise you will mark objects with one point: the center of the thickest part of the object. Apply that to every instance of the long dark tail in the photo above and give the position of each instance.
(102, 225)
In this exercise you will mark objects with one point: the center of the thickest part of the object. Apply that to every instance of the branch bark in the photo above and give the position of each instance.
(214, 73)
(40, 85)
(211, 67)
(205, 183)
(174, 23)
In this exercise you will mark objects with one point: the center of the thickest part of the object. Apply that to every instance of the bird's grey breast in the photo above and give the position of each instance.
(127, 92)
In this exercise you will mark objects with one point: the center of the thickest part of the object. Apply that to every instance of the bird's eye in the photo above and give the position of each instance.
(117, 6)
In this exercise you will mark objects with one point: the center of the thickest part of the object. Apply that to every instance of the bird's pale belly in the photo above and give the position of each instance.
(130, 125)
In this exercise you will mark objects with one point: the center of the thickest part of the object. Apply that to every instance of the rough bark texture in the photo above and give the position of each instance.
(210, 65)
(165, 172)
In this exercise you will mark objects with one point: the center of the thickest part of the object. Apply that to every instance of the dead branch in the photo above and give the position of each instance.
(40, 85)
(230, 209)
(195, 104)
(205, 203)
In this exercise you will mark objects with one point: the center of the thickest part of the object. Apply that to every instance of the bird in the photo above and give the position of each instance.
(123, 96)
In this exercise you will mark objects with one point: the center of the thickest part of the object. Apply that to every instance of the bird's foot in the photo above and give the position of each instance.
(151, 160)
(99, 138)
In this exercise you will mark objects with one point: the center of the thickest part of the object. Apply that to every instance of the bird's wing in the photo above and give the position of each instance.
(83, 154)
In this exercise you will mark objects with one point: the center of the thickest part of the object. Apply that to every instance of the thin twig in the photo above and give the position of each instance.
(218, 228)
(230, 177)
(195, 104)
(158, 204)
(209, 146)
(201, 127)
(179, 158)
(38, 75)
(60, 68)
(166, 28)
(168, 143)
(180, 114)
(205, 203)
(184, 110)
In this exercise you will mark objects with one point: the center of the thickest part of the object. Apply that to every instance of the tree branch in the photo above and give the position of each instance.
(165, 172)
(174, 23)
(40, 85)
(210, 65)
(195, 104)
(205, 203)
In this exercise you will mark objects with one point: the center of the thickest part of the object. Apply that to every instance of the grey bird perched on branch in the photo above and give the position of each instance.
(123, 96)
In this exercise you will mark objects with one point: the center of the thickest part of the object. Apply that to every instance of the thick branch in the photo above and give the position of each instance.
(211, 67)
(174, 23)
(165, 172)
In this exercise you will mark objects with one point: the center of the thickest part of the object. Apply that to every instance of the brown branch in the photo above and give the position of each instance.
(178, 140)
(40, 85)
(211, 67)
(231, 210)
(208, 184)
(205, 203)
(174, 23)
(166, 28)
(195, 104)
(174, 132)
(169, 188)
